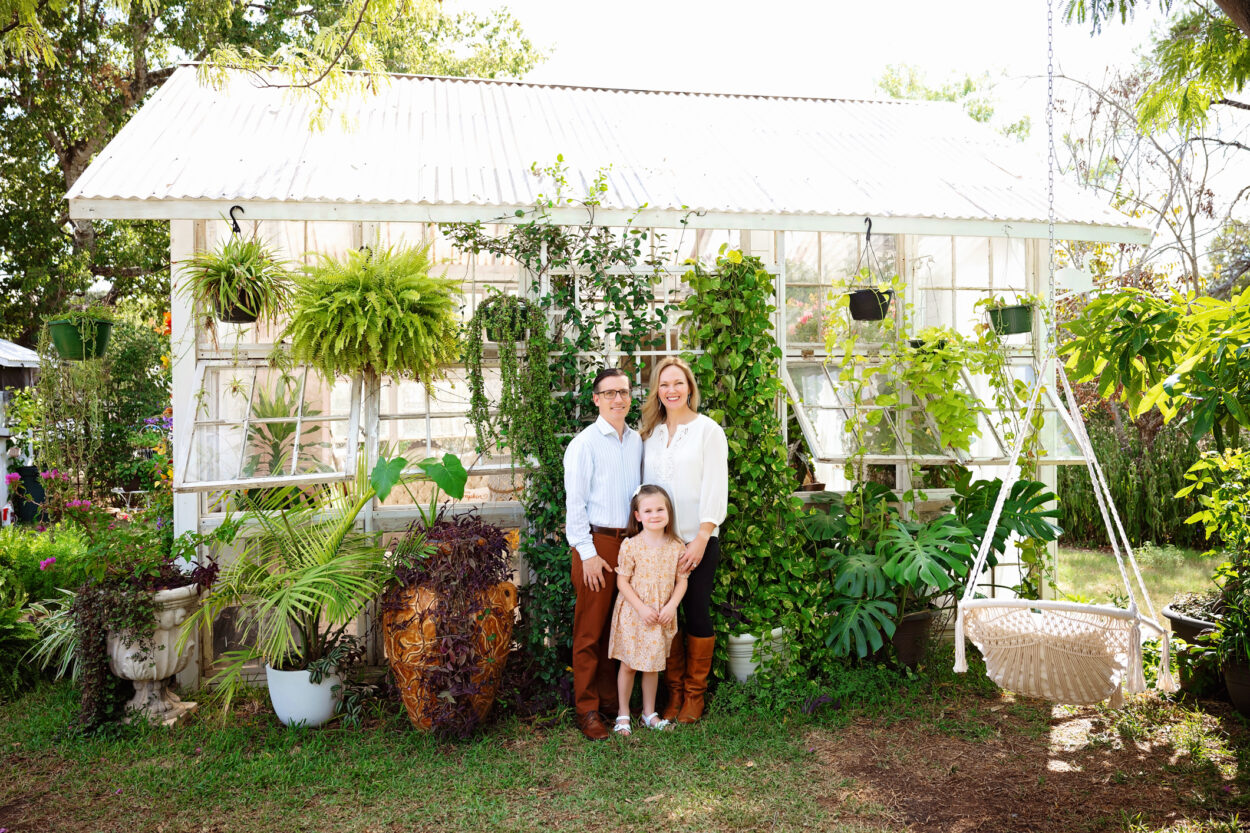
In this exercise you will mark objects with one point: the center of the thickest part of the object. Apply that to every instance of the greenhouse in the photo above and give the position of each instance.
(818, 189)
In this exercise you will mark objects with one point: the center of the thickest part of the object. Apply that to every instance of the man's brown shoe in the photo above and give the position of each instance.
(592, 726)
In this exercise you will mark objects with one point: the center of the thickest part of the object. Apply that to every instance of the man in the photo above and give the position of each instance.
(602, 469)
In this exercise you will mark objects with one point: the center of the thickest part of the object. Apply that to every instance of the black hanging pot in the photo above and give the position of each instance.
(235, 315)
(870, 304)
(32, 496)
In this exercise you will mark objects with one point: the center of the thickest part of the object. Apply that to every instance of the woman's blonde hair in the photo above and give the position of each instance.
(653, 411)
(647, 490)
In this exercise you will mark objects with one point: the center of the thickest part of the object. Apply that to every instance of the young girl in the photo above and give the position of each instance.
(645, 619)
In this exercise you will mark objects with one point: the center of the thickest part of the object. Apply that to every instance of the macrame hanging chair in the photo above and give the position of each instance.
(1066, 652)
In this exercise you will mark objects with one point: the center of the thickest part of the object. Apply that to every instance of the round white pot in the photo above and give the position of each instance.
(150, 670)
(744, 659)
(298, 702)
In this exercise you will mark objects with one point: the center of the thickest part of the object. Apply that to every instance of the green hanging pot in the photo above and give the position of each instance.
(80, 339)
(1011, 320)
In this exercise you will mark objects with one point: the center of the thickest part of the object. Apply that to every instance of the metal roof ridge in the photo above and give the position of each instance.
(517, 82)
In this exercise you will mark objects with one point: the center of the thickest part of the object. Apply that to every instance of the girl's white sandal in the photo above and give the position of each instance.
(653, 721)
(622, 726)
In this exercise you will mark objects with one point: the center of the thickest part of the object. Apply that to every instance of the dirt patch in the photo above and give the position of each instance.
(1011, 766)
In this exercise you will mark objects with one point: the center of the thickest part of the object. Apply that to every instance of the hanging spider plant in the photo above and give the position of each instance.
(240, 281)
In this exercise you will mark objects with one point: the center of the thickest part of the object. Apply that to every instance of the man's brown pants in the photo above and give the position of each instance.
(594, 674)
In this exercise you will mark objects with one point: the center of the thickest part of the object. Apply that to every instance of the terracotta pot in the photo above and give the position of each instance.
(411, 643)
(151, 670)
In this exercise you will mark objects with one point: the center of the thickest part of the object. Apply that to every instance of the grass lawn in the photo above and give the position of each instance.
(893, 751)
(1167, 570)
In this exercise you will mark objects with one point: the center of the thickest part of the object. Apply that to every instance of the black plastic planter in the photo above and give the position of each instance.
(28, 506)
(1011, 320)
(235, 315)
(870, 304)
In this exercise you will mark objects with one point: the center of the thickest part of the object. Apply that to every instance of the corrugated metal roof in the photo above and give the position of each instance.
(15, 355)
(424, 141)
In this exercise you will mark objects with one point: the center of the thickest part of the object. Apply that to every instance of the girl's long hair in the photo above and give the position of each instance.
(634, 527)
(653, 411)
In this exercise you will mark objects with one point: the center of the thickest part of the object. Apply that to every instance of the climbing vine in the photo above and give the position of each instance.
(766, 578)
(591, 288)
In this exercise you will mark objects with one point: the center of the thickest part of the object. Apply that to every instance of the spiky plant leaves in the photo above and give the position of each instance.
(375, 312)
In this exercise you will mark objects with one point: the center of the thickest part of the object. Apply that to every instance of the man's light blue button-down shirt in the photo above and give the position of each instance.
(601, 473)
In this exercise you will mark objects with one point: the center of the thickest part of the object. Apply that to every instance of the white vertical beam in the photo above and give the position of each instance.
(182, 241)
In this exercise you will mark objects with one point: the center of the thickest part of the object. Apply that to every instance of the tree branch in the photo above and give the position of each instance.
(1224, 142)
(1228, 102)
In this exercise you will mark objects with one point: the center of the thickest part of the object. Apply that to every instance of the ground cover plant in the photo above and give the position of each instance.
(868, 749)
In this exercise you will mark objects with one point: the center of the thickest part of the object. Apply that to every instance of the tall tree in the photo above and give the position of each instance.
(1203, 60)
(72, 74)
(975, 94)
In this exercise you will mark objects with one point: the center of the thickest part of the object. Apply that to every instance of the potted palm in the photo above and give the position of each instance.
(447, 612)
(79, 334)
(240, 281)
(303, 576)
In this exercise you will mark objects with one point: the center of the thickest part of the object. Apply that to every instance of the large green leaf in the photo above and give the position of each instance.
(859, 625)
(933, 555)
(448, 474)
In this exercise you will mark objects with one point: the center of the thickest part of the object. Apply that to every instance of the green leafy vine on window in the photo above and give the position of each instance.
(592, 298)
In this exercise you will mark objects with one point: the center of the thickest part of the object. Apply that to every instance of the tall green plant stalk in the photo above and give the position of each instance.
(765, 578)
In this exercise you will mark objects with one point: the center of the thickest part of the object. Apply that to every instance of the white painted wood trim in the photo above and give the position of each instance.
(192, 209)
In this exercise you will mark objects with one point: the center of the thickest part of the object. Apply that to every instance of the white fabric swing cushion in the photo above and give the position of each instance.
(1059, 651)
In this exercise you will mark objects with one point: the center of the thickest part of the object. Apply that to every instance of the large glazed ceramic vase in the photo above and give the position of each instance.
(151, 669)
(411, 640)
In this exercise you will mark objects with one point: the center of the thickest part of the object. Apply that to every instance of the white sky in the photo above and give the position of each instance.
(830, 49)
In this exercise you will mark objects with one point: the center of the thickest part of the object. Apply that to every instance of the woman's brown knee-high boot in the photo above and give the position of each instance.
(675, 676)
(699, 651)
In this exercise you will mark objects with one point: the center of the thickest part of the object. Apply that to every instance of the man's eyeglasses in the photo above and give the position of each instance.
(613, 393)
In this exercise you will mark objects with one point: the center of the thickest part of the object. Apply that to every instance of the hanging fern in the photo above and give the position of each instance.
(375, 312)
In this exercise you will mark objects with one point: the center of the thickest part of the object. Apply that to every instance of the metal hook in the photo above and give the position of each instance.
(234, 223)
(868, 235)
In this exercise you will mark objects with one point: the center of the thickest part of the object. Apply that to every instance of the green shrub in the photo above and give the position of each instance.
(17, 637)
(1144, 477)
(22, 550)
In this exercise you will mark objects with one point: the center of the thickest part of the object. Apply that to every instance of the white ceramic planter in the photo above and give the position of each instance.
(298, 702)
(743, 658)
(151, 670)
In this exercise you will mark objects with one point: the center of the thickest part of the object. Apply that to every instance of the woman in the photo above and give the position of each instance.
(686, 453)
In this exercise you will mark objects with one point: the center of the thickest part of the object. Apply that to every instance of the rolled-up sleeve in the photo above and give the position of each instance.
(714, 493)
(578, 469)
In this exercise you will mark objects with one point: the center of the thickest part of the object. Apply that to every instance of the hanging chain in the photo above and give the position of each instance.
(1052, 336)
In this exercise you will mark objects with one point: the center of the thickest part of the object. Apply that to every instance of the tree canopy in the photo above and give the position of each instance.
(1203, 59)
(71, 74)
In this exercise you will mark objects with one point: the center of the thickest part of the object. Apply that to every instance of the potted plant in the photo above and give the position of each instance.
(79, 334)
(447, 612)
(890, 571)
(240, 281)
(524, 398)
(303, 575)
(866, 299)
(1010, 316)
(142, 586)
(1221, 482)
(1193, 614)
(930, 369)
(377, 313)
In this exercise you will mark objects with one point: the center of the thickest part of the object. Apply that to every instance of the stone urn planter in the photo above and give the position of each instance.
(412, 647)
(150, 670)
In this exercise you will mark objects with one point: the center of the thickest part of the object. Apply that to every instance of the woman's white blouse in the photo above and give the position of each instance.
(693, 469)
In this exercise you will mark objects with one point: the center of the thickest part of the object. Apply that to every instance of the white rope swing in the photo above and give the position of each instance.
(1065, 652)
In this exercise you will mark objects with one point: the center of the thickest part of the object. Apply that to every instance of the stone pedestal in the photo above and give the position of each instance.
(150, 670)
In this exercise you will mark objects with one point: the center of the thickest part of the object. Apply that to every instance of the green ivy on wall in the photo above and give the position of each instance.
(766, 578)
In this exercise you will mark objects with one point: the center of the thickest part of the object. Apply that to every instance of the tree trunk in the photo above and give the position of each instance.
(1238, 12)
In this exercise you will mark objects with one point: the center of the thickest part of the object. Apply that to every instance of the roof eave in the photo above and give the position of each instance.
(95, 208)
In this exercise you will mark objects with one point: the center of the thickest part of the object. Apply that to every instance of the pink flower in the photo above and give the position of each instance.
(47, 562)
(12, 477)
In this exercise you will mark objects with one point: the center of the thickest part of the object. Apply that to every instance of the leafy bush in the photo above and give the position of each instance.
(1144, 475)
(37, 563)
(17, 637)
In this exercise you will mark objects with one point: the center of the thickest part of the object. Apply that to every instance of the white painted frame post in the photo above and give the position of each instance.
(183, 236)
